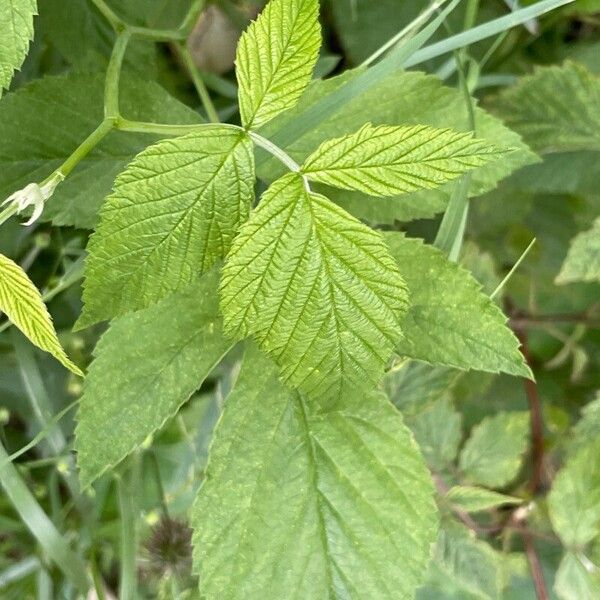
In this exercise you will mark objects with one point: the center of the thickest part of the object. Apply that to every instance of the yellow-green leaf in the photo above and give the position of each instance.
(275, 59)
(22, 303)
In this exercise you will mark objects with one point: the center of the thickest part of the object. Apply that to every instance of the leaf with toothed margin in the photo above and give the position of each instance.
(318, 290)
(147, 365)
(275, 59)
(16, 31)
(389, 161)
(173, 213)
(451, 321)
(22, 303)
(583, 260)
(305, 502)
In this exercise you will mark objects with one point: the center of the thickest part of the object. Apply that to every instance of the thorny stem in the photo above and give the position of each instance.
(537, 574)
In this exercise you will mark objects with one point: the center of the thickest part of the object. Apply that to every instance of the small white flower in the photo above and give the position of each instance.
(34, 195)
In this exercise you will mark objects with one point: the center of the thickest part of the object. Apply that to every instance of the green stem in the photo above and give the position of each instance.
(188, 61)
(275, 151)
(84, 148)
(108, 13)
(192, 16)
(8, 212)
(40, 526)
(113, 75)
(156, 35)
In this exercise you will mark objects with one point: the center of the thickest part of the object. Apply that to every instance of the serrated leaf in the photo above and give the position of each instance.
(450, 320)
(275, 59)
(438, 431)
(22, 303)
(475, 499)
(556, 109)
(493, 454)
(146, 366)
(577, 578)
(317, 289)
(389, 161)
(42, 123)
(403, 98)
(16, 31)
(173, 213)
(311, 503)
(583, 261)
(574, 500)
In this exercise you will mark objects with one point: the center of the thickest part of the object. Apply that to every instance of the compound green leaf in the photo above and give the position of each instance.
(450, 320)
(556, 109)
(577, 578)
(317, 288)
(389, 161)
(173, 213)
(493, 454)
(574, 501)
(275, 59)
(583, 261)
(475, 499)
(22, 303)
(42, 123)
(302, 502)
(16, 31)
(146, 366)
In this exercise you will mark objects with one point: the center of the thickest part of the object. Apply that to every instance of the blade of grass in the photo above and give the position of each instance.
(40, 526)
(514, 269)
(484, 31)
(127, 485)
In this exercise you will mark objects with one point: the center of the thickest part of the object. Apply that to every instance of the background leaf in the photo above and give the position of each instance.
(329, 504)
(22, 303)
(147, 365)
(173, 213)
(493, 454)
(16, 31)
(475, 499)
(450, 321)
(583, 261)
(574, 501)
(42, 123)
(317, 288)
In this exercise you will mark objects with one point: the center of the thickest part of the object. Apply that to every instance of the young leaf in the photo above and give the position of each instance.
(389, 161)
(16, 31)
(583, 261)
(42, 123)
(22, 303)
(147, 365)
(574, 501)
(310, 503)
(556, 109)
(493, 454)
(475, 499)
(172, 215)
(577, 578)
(316, 288)
(450, 321)
(275, 59)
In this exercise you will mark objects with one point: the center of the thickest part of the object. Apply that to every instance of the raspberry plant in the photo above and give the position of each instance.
(245, 249)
